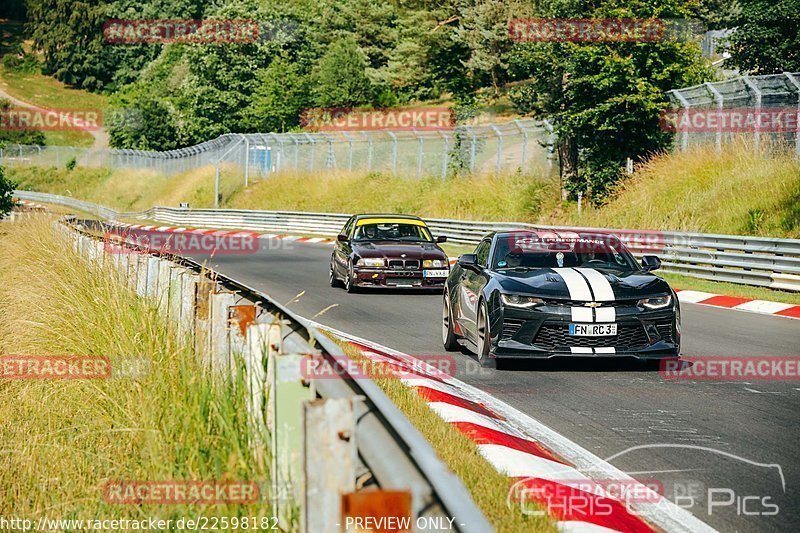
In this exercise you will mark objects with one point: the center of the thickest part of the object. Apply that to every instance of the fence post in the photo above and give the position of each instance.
(524, 165)
(246, 160)
(685, 104)
(445, 154)
(499, 147)
(369, 153)
(756, 128)
(219, 321)
(394, 151)
(419, 154)
(718, 98)
(794, 81)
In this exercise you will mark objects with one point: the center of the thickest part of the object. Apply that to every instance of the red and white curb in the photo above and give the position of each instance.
(749, 305)
(763, 307)
(542, 465)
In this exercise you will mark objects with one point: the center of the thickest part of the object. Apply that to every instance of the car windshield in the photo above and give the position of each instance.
(514, 252)
(392, 231)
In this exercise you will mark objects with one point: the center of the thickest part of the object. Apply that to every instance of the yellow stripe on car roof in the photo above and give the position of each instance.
(412, 221)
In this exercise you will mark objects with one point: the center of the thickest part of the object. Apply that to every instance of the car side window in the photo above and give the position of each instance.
(482, 253)
(348, 226)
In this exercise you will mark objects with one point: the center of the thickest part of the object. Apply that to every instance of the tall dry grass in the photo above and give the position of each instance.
(61, 440)
(738, 191)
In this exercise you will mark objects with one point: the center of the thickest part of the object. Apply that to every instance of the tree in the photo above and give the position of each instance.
(6, 192)
(13, 135)
(340, 79)
(766, 39)
(605, 98)
(279, 98)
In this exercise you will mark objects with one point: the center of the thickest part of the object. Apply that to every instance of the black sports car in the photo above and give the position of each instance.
(390, 251)
(543, 294)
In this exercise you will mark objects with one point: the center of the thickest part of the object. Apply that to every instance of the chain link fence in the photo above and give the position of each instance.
(759, 109)
(525, 145)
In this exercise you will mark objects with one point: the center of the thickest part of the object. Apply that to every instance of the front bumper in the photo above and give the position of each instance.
(542, 332)
(395, 279)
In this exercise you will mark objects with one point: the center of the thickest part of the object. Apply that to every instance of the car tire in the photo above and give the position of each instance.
(449, 338)
(349, 286)
(485, 359)
(334, 281)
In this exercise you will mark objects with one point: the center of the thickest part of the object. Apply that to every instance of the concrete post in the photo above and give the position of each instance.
(219, 324)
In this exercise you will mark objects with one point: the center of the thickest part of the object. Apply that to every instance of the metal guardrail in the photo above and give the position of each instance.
(757, 261)
(389, 446)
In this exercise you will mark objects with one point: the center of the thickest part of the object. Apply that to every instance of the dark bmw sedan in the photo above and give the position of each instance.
(540, 295)
(390, 251)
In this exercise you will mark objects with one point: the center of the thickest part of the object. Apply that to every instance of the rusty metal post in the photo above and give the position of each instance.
(328, 431)
(220, 302)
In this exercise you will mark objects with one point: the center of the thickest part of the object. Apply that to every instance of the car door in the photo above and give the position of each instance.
(342, 250)
(470, 286)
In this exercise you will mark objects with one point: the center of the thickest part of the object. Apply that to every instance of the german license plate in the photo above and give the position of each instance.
(435, 273)
(592, 330)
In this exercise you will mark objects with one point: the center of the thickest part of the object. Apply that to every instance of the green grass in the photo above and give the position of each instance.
(48, 92)
(738, 192)
(489, 488)
(61, 440)
(730, 289)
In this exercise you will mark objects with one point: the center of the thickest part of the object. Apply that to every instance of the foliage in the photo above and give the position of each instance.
(6, 190)
(340, 79)
(766, 39)
(16, 135)
(605, 96)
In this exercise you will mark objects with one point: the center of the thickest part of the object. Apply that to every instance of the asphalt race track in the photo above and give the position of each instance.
(732, 441)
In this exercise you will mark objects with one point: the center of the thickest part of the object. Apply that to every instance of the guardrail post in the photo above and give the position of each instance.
(241, 316)
(143, 271)
(151, 289)
(202, 320)
(176, 274)
(328, 431)
(188, 295)
(219, 323)
(162, 287)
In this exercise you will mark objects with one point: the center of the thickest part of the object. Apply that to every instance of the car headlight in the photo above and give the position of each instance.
(373, 262)
(434, 263)
(659, 302)
(517, 300)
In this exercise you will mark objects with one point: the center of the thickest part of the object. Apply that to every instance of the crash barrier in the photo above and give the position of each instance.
(328, 438)
(758, 261)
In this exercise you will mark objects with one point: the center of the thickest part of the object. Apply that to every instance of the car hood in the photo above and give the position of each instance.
(559, 282)
(394, 250)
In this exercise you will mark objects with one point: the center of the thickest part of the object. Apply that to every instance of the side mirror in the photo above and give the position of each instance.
(650, 263)
(469, 261)
(342, 238)
(441, 238)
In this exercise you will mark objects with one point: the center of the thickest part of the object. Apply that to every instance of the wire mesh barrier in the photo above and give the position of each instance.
(759, 109)
(526, 145)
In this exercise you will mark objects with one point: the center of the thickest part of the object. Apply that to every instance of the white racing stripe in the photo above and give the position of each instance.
(581, 314)
(605, 314)
(600, 286)
(576, 284)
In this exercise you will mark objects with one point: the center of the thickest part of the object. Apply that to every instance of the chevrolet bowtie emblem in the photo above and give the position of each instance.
(592, 304)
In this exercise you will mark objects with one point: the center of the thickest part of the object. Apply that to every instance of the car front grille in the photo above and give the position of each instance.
(510, 328)
(664, 328)
(556, 337)
(401, 264)
(574, 303)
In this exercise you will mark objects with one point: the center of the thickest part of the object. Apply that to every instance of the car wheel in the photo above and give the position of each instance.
(449, 338)
(334, 281)
(349, 284)
(484, 338)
